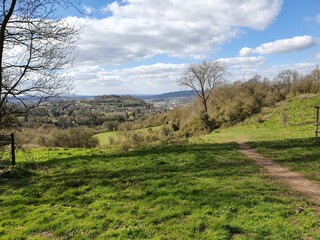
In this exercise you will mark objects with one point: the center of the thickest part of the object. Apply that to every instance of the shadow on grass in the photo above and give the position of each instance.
(303, 150)
(151, 172)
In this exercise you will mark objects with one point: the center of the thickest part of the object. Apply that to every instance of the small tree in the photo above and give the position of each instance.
(203, 78)
(35, 47)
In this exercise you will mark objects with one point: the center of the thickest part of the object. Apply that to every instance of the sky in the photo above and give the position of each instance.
(143, 46)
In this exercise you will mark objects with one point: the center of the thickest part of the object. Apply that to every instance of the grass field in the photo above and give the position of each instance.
(204, 189)
(199, 191)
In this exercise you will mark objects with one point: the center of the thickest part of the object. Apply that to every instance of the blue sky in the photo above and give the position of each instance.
(142, 46)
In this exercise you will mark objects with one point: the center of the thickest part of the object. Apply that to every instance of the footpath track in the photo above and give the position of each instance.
(293, 180)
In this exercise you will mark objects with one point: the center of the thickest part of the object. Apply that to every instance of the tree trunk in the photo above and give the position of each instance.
(4, 23)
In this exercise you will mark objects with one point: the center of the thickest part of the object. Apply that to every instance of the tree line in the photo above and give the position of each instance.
(220, 103)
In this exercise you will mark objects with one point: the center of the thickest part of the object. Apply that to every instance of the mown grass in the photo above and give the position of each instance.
(192, 191)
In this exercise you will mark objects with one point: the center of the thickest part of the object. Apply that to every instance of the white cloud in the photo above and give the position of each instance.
(88, 10)
(161, 77)
(281, 46)
(243, 61)
(247, 71)
(303, 68)
(156, 78)
(317, 55)
(140, 29)
(245, 51)
(318, 18)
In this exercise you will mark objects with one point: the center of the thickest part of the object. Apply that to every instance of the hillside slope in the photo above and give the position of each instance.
(290, 119)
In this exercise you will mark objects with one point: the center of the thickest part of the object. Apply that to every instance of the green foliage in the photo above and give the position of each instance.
(190, 191)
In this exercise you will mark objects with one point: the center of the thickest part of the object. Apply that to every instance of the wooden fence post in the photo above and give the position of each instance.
(13, 155)
(317, 120)
(9, 140)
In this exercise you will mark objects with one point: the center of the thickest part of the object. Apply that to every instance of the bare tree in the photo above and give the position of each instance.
(35, 47)
(203, 78)
(315, 75)
(284, 81)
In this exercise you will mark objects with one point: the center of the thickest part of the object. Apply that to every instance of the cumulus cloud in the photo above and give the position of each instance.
(281, 46)
(303, 68)
(139, 29)
(149, 79)
(246, 71)
(243, 61)
(161, 77)
(155, 78)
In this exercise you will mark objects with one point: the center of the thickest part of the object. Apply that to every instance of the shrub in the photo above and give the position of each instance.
(137, 140)
(78, 137)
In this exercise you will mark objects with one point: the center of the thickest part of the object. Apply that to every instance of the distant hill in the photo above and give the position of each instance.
(178, 94)
(122, 101)
(132, 99)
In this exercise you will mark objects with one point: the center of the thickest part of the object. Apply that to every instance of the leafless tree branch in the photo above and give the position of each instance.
(36, 47)
(203, 78)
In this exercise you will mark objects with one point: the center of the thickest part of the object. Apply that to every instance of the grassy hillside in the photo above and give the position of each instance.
(204, 189)
(290, 119)
(193, 191)
(292, 144)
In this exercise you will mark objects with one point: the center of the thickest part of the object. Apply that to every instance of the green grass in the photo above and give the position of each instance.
(193, 191)
(300, 114)
(292, 144)
(202, 190)
(104, 138)
(301, 155)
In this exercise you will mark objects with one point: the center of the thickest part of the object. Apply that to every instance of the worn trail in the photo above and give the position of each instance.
(293, 180)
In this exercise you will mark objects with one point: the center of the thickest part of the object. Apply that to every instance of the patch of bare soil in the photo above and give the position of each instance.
(293, 180)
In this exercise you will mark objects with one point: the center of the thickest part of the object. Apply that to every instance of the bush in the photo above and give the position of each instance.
(78, 137)
(137, 140)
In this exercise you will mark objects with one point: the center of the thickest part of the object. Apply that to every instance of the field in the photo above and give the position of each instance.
(204, 189)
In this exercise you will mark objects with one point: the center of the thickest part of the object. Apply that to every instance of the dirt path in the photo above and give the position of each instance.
(293, 180)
